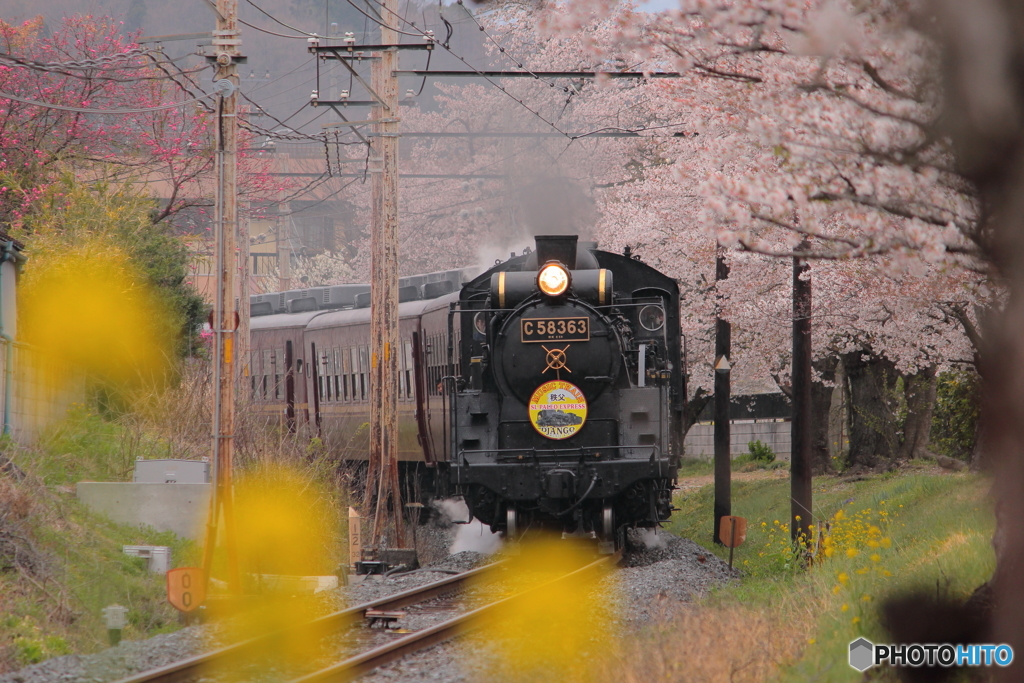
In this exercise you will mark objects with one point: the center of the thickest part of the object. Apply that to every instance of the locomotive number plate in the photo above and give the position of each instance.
(555, 329)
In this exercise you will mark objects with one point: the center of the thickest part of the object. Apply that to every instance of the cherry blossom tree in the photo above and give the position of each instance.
(87, 65)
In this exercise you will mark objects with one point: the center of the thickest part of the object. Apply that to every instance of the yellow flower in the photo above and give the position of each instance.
(812, 641)
(829, 551)
(836, 589)
(843, 577)
(876, 557)
(840, 515)
(855, 620)
(852, 552)
(866, 598)
(886, 542)
(845, 607)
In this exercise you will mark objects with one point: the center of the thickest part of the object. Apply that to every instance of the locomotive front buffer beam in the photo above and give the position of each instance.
(566, 492)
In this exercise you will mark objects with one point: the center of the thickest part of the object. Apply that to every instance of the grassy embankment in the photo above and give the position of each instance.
(60, 564)
(919, 529)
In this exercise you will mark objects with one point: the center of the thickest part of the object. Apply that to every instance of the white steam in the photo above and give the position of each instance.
(452, 511)
(476, 537)
(651, 539)
(473, 536)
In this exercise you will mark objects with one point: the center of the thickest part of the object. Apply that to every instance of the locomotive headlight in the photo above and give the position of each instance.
(553, 279)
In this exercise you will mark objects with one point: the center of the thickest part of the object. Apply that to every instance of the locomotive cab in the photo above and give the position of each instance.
(567, 413)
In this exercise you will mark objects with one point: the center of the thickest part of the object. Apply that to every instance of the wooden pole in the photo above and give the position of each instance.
(723, 462)
(227, 40)
(800, 460)
(382, 491)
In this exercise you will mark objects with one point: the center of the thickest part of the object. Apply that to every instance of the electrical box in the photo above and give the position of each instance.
(172, 472)
(158, 557)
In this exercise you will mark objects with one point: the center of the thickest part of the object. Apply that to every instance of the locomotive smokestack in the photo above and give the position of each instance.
(561, 248)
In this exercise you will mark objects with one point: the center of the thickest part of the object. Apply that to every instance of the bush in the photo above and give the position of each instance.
(955, 419)
(761, 452)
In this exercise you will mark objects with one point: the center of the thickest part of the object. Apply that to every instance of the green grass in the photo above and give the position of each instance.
(78, 567)
(84, 446)
(931, 531)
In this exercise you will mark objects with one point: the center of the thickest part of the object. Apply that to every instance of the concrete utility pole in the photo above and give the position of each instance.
(226, 43)
(723, 371)
(384, 348)
(284, 247)
(800, 460)
(242, 336)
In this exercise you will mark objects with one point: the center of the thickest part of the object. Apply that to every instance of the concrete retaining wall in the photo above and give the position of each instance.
(700, 440)
(181, 508)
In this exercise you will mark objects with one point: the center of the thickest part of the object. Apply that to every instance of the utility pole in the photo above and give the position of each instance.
(284, 247)
(242, 337)
(384, 349)
(800, 460)
(723, 462)
(226, 43)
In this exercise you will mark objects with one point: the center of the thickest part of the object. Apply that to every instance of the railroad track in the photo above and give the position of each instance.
(206, 664)
(379, 656)
(200, 665)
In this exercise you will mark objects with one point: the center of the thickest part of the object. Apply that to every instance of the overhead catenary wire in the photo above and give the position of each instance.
(60, 70)
(83, 110)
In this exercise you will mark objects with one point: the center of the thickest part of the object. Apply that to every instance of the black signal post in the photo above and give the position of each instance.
(800, 464)
(723, 464)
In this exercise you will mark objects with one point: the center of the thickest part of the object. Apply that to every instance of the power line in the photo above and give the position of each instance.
(97, 63)
(80, 110)
(268, 31)
(65, 71)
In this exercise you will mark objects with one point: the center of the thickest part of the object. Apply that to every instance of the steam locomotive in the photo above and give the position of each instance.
(546, 391)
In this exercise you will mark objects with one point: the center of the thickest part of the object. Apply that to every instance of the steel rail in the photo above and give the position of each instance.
(190, 668)
(371, 659)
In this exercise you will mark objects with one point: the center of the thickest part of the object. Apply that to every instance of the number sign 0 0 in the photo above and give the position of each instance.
(186, 588)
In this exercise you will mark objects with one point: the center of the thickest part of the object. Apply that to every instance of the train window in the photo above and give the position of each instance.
(355, 370)
(652, 317)
(328, 371)
(268, 369)
(254, 372)
(278, 372)
(364, 366)
(407, 369)
(336, 369)
(345, 369)
(321, 370)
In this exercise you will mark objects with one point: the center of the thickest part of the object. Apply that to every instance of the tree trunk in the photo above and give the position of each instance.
(919, 390)
(821, 406)
(874, 427)
(694, 407)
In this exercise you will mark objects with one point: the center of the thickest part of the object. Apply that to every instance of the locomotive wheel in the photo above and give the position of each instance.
(608, 542)
(607, 522)
(511, 526)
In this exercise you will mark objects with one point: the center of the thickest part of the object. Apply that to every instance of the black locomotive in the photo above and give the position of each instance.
(569, 416)
(547, 391)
